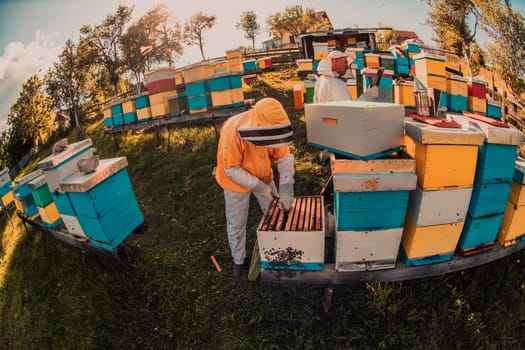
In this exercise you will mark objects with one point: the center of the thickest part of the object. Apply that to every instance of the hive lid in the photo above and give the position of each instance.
(224, 74)
(428, 134)
(70, 151)
(27, 178)
(79, 182)
(37, 182)
(492, 134)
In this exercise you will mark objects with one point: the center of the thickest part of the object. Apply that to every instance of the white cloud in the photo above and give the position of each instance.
(19, 61)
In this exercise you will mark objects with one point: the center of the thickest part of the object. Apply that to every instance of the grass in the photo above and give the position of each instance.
(168, 295)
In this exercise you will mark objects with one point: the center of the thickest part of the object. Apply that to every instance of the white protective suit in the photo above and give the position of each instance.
(328, 86)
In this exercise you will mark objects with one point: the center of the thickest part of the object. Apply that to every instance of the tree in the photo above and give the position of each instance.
(249, 25)
(448, 19)
(506, 29)
(66, 82)
(30, 119)
(296, 20)
(194, 29)
(104, 39)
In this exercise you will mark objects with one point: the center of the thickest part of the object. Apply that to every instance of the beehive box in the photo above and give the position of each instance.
(476, 104)
(367, 250)
(264, 63)
(433, 81)
(56, 167)
(423, 245)
(235, 64)
(249, 65)
(198, 71)
(445, 157)
(404, 94)
(479, 231)
(178, 105)
(372, 60)
(362, 130)
(227, 98)
(457, 85)
(221, 66)
(305, 64)
(163, 73)
(294, 240)
(22, 193)
(144, 114)
(298, 96)
(351, 85)
(4, 177)
(494, 109)
(225, 81)
(367, 190)
(457, 103)
(427, 64)
(477, 88)
(128, 105)
(236, 53)
(40, 191)
(428, 208)
(7, 198)
(199, 103)
(141, 101)
(320, 50)
(512, 227)
(72, 225)
(50, 215)
(105, 203)
(130, 117)
(197, 88)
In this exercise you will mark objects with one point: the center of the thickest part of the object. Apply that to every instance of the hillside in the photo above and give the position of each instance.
(168, 295)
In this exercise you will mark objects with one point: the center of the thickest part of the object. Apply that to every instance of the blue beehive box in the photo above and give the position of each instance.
(129, 117)
(488, 199)
(494, 110)
(22, 192)
(457, 103)
(142, 101)
(108, 122)
(249, 65)
(116, 109)
(197, 88)
(63, 203)
(479, 231)
(199, 102)
(225, 81)
(495, 163)
(105, 203)
(40, 191)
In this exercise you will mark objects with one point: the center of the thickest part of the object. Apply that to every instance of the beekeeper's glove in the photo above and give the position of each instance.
(266, 190)
(285, 196)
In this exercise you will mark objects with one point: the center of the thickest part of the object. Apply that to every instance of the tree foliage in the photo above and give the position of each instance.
(194, 29)
(153, 39)
(30, 119)
(249, 25)
(296, 20)
(104, 40)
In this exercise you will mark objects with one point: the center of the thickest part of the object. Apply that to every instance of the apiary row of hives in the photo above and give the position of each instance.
(92, 199)
(191, 89)
(411, 189)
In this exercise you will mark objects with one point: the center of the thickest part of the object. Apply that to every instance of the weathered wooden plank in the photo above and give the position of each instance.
(275, 215)
(290, 215)
(318, 214)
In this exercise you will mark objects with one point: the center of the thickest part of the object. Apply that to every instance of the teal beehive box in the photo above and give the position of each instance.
(40, 191)
(225, 81)
(105, 203)
(22, 192)
(142, 101)
(197, 88)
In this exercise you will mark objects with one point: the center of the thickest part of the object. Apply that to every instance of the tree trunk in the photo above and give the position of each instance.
(202, 49)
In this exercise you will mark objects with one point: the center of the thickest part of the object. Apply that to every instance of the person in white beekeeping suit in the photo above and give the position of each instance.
(249, 144)
(330, 86)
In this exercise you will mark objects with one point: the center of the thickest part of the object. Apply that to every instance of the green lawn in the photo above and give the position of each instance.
(168, 294)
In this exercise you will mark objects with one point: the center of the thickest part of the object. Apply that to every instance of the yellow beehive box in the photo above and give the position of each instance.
(221, 66)
(237, 95)
(235, 64)
(512, 226)
(457, 85)
(331, 42)
(178, 76)
(144, 113)
(128, 105)
(517, 194)
(477, 104)
(372, 60)
(7, 198)
(106, 112)
(305, 64)
(197, 72)
(49, 214)
(19, 205)
(404, 94)
(221, 98)
(200, 110)
(431, 81)
(160, 97)
(352, 89)
(233, 54)
(320, 50)
(426, 241)
(427, 64)
(445, 157)
(351, 41)
(159, 110)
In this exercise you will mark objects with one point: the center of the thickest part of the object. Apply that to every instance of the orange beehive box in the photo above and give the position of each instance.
(159, 110)
(236, 53)
(144, 113)
(512, 226)
(298, 96)
(49, 214)
(128, 105)
(404, 93)
(477, 104)
(235, 64)
(221, 66)
(457, 85)
(7, 198)
(197, 72)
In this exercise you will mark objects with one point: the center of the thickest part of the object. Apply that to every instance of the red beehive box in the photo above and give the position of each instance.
(477, 88)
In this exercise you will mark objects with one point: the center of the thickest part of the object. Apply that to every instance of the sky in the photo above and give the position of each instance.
(33, 32)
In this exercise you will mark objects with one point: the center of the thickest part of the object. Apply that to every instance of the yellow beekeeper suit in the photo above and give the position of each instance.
(248, 145)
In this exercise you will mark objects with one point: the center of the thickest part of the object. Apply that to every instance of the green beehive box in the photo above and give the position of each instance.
(40, 191)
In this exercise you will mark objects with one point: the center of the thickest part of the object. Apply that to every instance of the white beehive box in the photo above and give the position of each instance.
(72, 225)
(57, 167)
(353, 128)
(367, 250)
(427, 208)
(294, 240)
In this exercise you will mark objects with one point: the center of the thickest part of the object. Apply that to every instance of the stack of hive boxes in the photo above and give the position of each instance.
(457, 93)
(143, 108)
(226, 90)
(401, 62)
(221, 66)
(411, 48)
(372, 60)
(304, 66)
(370, 135)
(249, 65)
(234, 60)
(197, 86)
(358, 57)
(100, 205)
(108, 117)
(24, 200)
(6, 195)
(477, 96)
(445, 166)
(56, 167)
(46, 206)
(117, 117)
(496, 160)
(265, 63)
(129, 111)
(161, 85)
(512, 228)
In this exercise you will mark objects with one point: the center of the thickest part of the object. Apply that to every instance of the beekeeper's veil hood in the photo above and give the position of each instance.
(266, 124)
(325, 65)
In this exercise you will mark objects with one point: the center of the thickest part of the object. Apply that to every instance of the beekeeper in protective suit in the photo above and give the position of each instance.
(248, 145)
(330, 86)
